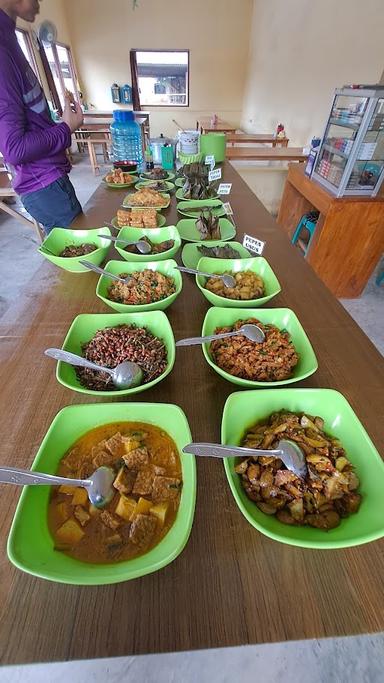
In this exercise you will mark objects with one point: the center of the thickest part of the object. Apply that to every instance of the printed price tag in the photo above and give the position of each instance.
(224, 188)
(253, 244)
(214, 175)
(228, 208)
(210, 161)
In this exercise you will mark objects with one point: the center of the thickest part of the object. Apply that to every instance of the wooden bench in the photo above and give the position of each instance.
(265, 154)
(256, 138)
(7, 192)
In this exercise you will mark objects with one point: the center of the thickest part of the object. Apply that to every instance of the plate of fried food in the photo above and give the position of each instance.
(138, 218)
(118, 179)
(147, 198)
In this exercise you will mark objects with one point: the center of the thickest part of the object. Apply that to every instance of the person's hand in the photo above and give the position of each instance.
(72, 115)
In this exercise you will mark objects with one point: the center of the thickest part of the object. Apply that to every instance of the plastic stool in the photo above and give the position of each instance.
(304, 224)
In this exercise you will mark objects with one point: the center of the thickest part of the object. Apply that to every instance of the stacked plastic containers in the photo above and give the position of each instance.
(126, 137)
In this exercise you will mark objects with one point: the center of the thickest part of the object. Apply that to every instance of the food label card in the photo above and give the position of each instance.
(210, 161)
(253, 244)
(214, 175)
(228, 208)
(224, 188)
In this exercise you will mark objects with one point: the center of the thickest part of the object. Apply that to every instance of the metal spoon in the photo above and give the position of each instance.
(124, 376)
(288, 451)
(98, 486)
(228, 280)
(142, 245)
(101, 271)
(44, 249)
(252, 332)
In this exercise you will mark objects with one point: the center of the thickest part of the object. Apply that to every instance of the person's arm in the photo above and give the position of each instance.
(17, 144)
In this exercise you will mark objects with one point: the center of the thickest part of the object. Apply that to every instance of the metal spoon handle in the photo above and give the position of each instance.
(190, 341)
(10, 475)
(73, 359)
(117, 239)
(193, 271)
(101, 271)
(216, 450)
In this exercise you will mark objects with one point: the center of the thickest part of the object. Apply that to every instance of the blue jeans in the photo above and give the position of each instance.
(54, 206)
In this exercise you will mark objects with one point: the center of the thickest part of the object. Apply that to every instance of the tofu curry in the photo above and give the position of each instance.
(148, 485)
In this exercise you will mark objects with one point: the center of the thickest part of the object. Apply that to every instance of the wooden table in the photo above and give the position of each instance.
(231, 585)
(221, 126)
(349, 236)
(256, 138)
(265, 153)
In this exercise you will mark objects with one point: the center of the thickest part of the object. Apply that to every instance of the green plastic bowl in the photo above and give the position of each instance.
(30, 545)
(282, 318)
(167, 267)
(257, 265)
(59, 238)
(189, 232)
(85, 326)
(161, 221)
(243, 409)
(156, 235)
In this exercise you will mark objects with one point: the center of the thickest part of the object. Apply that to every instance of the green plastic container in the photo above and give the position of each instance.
(282, 318)
(30, 545)
(243, 409)
(189, 232)
(116, 267)
(59, 238)
(213, 143)
(85, 326)
(257, 265)
(156, 235)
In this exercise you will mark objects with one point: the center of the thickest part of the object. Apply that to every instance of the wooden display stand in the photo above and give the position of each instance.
(349, 237)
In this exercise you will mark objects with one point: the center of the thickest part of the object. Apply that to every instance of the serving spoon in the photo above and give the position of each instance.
(98, 487)
(252, 332)
(228, 280)
(288, 451)
(124, 376)
(142, 245)
(101, 271)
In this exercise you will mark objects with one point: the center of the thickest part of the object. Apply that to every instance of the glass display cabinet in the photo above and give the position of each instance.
(350, 160)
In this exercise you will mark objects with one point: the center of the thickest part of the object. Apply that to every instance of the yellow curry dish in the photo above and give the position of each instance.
(248, 286)
(147, 484)
(324, 498)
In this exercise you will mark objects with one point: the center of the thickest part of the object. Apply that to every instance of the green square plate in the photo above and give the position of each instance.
(169, 187)
(180, 195)
(282, 318)
(30, 545)
(59, 238)
(166, 197)
(191, 256)
(189, 232)
(243, 409)
(121, 186)
(192, 207)
(161, 221)
(257, 265)
(116, 267)
(145, 176)
(156, 235)
(84, 328)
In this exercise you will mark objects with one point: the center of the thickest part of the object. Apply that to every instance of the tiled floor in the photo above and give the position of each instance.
(355, 659)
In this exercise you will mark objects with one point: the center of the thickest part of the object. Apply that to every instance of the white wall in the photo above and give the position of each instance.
(300, 51)
(215, 31)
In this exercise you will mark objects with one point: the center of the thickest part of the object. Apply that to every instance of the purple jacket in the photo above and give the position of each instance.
(30, 141)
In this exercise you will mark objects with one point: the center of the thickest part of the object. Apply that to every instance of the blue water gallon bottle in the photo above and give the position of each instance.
(126, 137)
